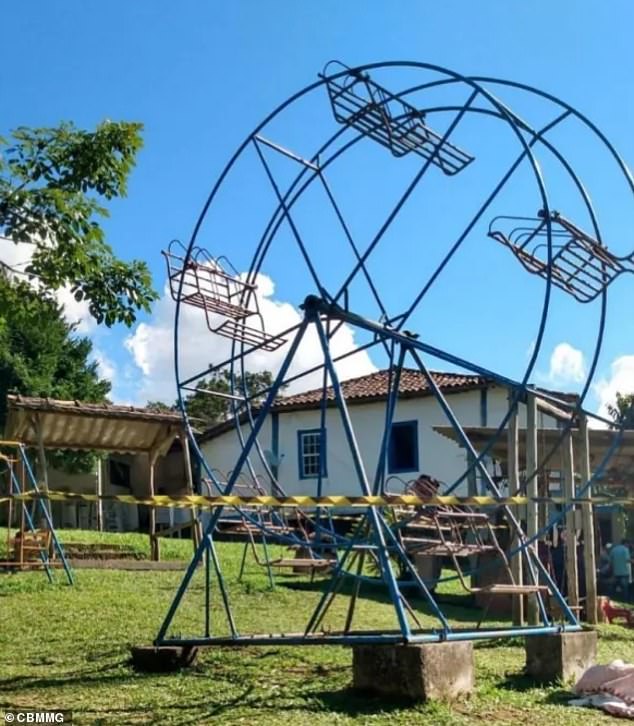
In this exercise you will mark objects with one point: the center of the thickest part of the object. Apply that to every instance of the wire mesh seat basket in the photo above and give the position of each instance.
(371, 109)
(214, 285)
(580, 265)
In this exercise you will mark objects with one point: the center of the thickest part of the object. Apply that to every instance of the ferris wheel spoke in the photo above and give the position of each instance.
(406, 195)
(536, 135)
(286, 214)
(351, 242)
(410, 340)
(455, 423)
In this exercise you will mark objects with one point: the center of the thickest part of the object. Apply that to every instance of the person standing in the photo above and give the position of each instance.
(620, 562)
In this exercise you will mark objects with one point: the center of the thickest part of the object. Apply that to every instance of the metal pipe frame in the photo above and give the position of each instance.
(372, 530)
(327, 307)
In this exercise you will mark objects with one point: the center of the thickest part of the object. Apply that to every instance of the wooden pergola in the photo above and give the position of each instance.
(576, 452)
(45, 423)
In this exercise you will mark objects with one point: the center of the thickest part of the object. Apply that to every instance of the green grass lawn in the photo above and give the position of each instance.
(68, 647)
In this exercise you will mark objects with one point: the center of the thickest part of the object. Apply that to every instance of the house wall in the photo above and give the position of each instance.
(72, 515)
(221, 453)
(169, 479)
(437, 455)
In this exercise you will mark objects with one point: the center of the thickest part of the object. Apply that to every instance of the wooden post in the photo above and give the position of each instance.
(472, 482)
(587, 523)
(155, 548)
(568, 465)
(532, 464)
(100, 467)
(513, 476)
(41, 456)
(42, 470)
(196, 528)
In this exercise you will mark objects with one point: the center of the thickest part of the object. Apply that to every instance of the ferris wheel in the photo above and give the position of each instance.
(418, 211)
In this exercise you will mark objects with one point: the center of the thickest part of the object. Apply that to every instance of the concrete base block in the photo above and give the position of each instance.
(433, 671)
(162, 659)
(560, 656)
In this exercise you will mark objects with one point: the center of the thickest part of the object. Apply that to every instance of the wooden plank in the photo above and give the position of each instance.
(504, 589)
(587, 519)
(513, 476)
(572, 577)
(303, 563)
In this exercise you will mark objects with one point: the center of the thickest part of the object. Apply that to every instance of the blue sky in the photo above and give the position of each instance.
(201, 75)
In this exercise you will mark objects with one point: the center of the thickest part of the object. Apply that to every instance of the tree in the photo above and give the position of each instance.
(159, 407)
(52, 185)
(40, 355)
(205, 409)
(623, 411)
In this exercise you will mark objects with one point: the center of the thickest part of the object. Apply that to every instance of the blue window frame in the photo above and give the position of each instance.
(311, 453)
(402, 453)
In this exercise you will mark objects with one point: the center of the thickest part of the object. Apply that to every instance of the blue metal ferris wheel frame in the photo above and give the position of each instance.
(390, 335)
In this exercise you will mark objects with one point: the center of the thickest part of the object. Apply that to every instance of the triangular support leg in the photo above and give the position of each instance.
(216, 514)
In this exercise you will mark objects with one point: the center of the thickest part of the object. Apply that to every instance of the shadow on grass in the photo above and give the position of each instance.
(193, 712)
(352, 702)
(521, 683)
(518, 682)
(346, 701)
(104, 675)
(456, 607)
(560, 697)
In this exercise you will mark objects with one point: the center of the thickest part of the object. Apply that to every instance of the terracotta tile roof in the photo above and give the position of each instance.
(372, 387)
(375, 386)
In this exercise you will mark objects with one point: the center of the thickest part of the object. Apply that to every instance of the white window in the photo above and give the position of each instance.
(311, 453)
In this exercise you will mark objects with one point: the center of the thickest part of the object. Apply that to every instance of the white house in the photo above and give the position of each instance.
(291, 440)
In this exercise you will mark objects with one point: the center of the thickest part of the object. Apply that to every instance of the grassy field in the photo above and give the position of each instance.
(63, 647)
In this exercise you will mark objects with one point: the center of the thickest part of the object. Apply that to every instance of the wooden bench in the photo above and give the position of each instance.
(28, 546)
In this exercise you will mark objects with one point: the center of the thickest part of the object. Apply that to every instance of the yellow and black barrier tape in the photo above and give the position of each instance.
(401, 500)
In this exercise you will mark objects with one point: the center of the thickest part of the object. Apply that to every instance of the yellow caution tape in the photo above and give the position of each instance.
(403, 500)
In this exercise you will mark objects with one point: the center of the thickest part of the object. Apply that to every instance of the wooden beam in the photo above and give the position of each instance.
(513, 476)
(532, 465)
(587, 524)
(552, 410)
(568, 466)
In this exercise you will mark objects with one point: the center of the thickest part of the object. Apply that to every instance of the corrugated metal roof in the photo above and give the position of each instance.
(90, 426)
(619, 467)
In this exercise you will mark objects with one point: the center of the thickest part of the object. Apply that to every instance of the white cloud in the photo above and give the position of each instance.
(15, 255)
(151, 346)
(567, 366)
(620, 380)
(75, 313)
(106, 367)
(18, 256)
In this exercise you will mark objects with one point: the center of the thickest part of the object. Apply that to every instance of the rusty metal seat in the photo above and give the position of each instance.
(359, 102)
(580, 265)
(213, 285)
